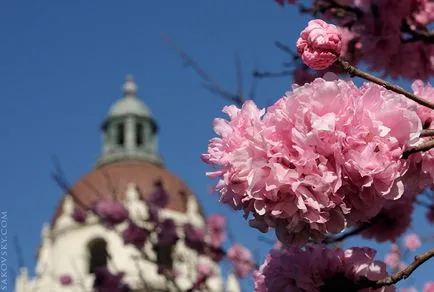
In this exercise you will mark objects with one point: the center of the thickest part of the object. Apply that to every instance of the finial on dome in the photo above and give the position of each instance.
(130, 87)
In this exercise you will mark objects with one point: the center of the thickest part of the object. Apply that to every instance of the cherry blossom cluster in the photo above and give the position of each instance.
(380, 32)
(326, 155)
(317, 268)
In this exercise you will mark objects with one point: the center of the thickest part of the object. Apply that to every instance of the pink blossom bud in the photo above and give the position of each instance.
(319, 44)
(412, 241)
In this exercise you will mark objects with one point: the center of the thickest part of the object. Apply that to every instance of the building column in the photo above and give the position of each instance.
(130, 134)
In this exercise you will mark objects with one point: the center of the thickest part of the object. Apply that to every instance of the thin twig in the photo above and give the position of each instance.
(428, 145)
(287, 50)
(61, 181)
(406, 272)
(266, 74)
(353, 71)
(239, 71)
(423, 204)
(427, 133)
(351, 233)
(210, 83)
(19, 252)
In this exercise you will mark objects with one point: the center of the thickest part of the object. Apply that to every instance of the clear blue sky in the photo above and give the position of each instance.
(62, 64)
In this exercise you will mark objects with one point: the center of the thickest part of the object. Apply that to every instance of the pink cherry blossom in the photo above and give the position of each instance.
(242, 260)
(318, 268)
(428, 287)
(216, 229)
(351, 45)
(392, 221)
(423, 14)
(412, 241)
(324, 155)
(319, 44)
(204, 270)
(65, 280)
(111, 212)
(409, 289)
(392, 260)
(427, 92)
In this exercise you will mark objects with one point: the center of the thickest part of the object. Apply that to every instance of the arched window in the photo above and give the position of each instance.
(164, 255)
(120, 134)
(139, 134)
(98, 255)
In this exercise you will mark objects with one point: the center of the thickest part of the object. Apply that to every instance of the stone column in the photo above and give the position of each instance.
(130, 134)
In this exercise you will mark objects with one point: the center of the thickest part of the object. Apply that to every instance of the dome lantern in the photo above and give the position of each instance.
(129, 131)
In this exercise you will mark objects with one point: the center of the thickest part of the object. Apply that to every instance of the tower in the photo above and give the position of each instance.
(129, 131)
(125, 172)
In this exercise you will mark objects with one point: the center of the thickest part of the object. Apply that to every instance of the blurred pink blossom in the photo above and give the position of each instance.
(65, 280)
(392, 260)
(428, 287)
(319, 268)
(216, 225)
(242, 260)
(409, 289)
(412, 241)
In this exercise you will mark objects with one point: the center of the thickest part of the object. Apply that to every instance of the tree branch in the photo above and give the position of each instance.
(265, 74)
(353, 71)
(428, 145)
(351, 233)
(210, 83)
(406, 272)
(427, 133)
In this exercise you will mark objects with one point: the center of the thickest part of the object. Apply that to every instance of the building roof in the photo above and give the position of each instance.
(110, 182)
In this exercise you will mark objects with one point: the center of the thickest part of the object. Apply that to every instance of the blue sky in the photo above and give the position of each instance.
(62, 64)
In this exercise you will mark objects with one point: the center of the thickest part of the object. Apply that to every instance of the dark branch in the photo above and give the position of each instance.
(428, 145)
(353, 71)
(348, 234)
(406, 272)
(209, 82)
(265, 74)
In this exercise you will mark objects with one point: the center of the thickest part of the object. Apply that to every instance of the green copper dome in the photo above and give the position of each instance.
(129, 131)
(130, 104)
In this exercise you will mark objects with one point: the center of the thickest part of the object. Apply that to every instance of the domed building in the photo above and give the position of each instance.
(126, 172)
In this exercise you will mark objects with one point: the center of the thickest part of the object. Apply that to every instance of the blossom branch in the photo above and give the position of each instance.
(427, 133)
(406, 272)
(210, 84)
(266, 74)
(423, 35)
(353, 71)
(420, 148)
(346, 235)
(284, 48)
